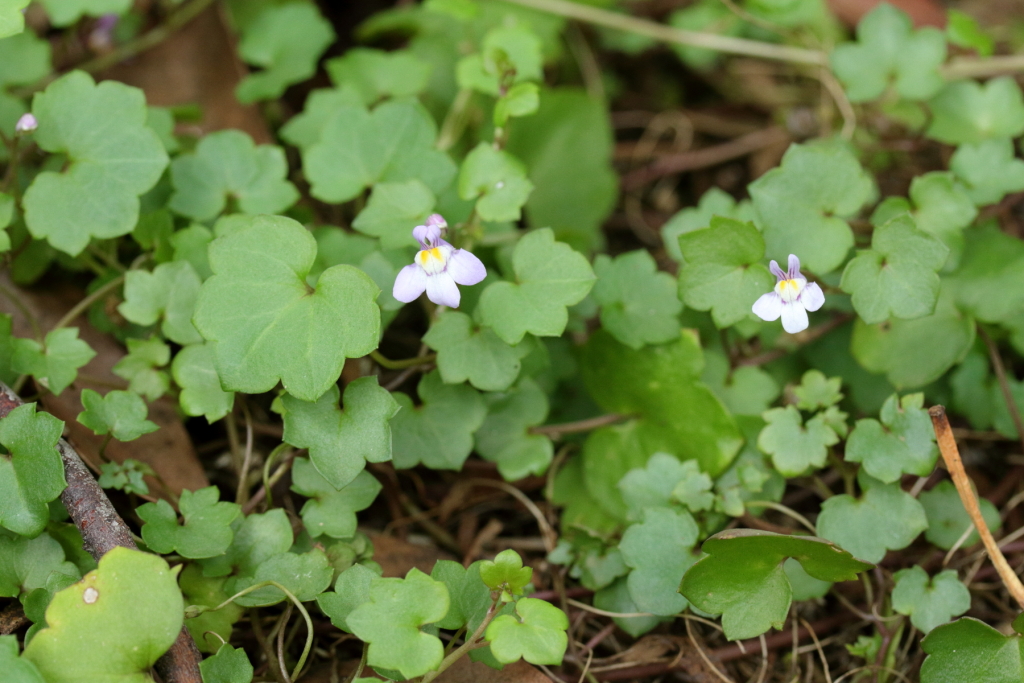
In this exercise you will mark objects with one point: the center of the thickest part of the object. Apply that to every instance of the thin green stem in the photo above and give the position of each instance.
(466, 646)
(389, 364)
(454, 123)
(88, 301)
(193, 611)
(789, 512)
(266, 471)
(668, 34)
(362, 664)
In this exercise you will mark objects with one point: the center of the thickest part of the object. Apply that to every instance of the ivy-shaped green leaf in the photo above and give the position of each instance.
(16, 669)
(113, 158)
(466, 352)
(26, 59)
(969, 111)
(303, 130)
(537, 633)
(902, 443)
(393, 210)
(884, 518)
(122, 414)
(639, 305)
(305, 575)
(659, 550)
(549, 276)
(988, 169)
(888, 52)
(55, 362)
(375, 74)
(469, 596)
(897, 277)
(208, 591)
(139, 367)
(989, 282)
(357, 149)
(12, 22)
(227, 166)
(97, 630)
(206, 531)
(298, 335)
(258, 537)
(508, 55)
(746, 390)
(505, 438)
(340, 442)
(497, 180)
(227, 666)
(801, 204)
(929, 601)
(286, 41)
(714, 202)
(351, 589)
(795, 446)
(67, 12)
(331, 511)
(722, 270)
(194, 370)
(439, 433)
(33, 474)
(969, 650)
(26, 564)
(947, 518)
(169, 292)
(506, 574)
(742, 577)
(651, 486)
(390, 622)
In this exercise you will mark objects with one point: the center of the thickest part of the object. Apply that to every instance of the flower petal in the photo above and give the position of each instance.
(442, 290)
(768, 307)
(465, 268)
(794, 266)
(794, 318)
(776, 271)
(426, 235)
(811, 297)
(410, 283)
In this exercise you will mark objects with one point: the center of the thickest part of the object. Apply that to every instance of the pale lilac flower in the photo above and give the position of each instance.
(26, 124)
(792, 298)
(437, 268)
(101, 39)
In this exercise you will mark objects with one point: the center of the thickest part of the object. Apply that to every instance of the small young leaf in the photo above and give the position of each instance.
(742, 577)
(506, 574)
(98, 631)
(393, 210)
(969, 650)
(306, 575)
(639, 305)
(439, 433)
(897, 277)
(340, 442)
(332, 511)
(121, 414)
(206, 531)
(929, 602)
(969, 111)
(16, 669)
(227, 666)
(746, 390)
(470, 597)
(194, 370)
(298, 336)
(228, 165)
(659, 550)
(722, 270)
(947, 518)
(303, 130)
(963, 30)
(55, 362)
(33, 474)
(286, 41)
(509, 54)
(505, 436)
(889, 51)
(351, 590)
(208, 591)
(139, 367)
(12, 22)
(114, 157)
(885, 518)
(390, 622)
(466, 352)
(536, 633)
(522, 99)
(694, 489)
(126, 476)
(801, 203)
(549, 276)
(258, 537)
(26, 564)
(652, 485)
(795, 447)
(905, 444)
(714, 202)
(498, 179)
(816, 391)
(170, 292)
(988, 169)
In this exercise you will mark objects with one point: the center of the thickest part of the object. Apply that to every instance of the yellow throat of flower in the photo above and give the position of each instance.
(789, 290)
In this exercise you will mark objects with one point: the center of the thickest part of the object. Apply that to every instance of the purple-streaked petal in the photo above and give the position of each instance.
(465, 268)
(794, 267)
(776, 271)
(442, 290)
(794, 318)
(436, 220)
(812, 297)
(410, 283)
(26, 124)
(768, 307)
